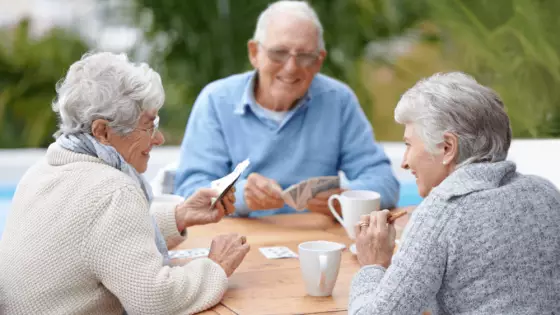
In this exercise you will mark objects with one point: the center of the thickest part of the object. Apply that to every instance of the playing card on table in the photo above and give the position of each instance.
(276, 252)
(189, 253)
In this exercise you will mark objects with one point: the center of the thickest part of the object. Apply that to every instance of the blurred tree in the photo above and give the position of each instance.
(513, 46)
(196, 42)
(29, 70)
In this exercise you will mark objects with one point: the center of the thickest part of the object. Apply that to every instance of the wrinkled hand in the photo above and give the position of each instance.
(196, 209)
(319, 203)
(375, 243)
(228, 251)
(262, 193)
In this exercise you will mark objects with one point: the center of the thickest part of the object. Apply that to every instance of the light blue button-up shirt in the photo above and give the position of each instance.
(326, 132)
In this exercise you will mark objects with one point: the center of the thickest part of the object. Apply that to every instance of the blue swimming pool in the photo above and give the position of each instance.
(6, 193)
(408, 196)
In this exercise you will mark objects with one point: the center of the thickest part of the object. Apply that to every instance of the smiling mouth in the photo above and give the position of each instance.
(288, 81)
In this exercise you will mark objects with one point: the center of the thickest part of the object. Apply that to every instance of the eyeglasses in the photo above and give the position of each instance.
(282, 55)
(152, 132)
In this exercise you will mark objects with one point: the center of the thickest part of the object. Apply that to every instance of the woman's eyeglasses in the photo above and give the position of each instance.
(152, 132)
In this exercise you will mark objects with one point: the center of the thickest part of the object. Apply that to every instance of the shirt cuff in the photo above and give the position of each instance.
(164, 214)
(241, 208)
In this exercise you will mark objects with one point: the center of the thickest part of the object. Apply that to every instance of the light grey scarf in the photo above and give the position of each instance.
(86, 144)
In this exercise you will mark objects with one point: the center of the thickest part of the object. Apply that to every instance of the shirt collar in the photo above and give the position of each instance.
(475, 177)
(248, 97)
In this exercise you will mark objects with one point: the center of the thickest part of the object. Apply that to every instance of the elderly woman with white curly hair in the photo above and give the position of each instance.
(485, 240)
(80, 238)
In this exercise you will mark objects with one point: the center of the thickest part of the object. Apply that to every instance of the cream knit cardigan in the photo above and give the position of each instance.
(79, 240)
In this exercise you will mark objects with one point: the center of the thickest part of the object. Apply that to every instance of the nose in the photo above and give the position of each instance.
(291, 64)
(159, 139)
(404, 163)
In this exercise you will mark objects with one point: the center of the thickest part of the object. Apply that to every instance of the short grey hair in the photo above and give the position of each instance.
(106, 86)
(299, 9)
(456, 103)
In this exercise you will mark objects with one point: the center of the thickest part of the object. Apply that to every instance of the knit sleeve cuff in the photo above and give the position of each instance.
(214, 280)
(364, 283)
(164, 214)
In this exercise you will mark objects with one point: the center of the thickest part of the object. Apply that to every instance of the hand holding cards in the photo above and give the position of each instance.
(297, 196)
(262, 193)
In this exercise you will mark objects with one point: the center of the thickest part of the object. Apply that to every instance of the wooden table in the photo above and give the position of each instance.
(275, 286)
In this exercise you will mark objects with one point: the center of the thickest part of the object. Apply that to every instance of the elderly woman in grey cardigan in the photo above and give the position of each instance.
(485, 240)
(82, 236)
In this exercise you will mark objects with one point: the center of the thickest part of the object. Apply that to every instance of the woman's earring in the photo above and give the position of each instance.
(444, 162)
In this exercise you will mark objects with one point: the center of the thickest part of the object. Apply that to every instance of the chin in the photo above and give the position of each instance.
(141, 168)
(423, 191)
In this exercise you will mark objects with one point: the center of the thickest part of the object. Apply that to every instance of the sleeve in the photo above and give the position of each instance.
(164, 215)
(120, 251)
(410, 284)
(362, 160)
(203, 154)
(241, 208)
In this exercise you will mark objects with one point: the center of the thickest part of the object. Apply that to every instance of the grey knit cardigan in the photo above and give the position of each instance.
(485, 241)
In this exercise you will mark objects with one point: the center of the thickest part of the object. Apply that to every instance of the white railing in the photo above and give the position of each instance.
(538, 157)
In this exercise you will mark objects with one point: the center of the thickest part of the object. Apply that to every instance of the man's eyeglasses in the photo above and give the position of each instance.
(152, 132)
(282, 55)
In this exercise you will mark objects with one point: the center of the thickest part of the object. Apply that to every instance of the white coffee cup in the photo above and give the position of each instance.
(319, 262)
(354, 203)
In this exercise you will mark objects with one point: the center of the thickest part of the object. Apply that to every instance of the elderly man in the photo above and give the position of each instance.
(291, 122)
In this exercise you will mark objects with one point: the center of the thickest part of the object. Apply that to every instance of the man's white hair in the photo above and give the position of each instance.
(456, 103)
(299, 9)
(106, 86)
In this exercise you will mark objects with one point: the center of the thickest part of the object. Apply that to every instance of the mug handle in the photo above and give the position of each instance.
(322, 270)
(333, 210)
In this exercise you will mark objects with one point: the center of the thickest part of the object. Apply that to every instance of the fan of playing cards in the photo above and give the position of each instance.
(297, 196)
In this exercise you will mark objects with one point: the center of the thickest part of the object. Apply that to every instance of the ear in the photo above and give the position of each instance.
(322, 57)
(450, 148)
(253, 50)
(100, 130)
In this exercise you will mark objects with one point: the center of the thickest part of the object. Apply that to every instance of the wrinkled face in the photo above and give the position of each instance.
(286, 62)
(428, 169)
(136, 146)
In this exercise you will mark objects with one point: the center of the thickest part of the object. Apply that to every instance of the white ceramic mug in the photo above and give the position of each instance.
(319, 262)
(354, 203)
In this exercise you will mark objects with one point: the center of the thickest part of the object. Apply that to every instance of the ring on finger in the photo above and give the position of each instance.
(364, 224)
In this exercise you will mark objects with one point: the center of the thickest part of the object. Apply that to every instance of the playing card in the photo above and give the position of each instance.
(189, 253)
(277, 252)
(223, 184)
(290, 196)
(324, 183)
(304, 196)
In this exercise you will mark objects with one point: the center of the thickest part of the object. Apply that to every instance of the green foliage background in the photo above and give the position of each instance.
(379, 47)
(29, 70)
